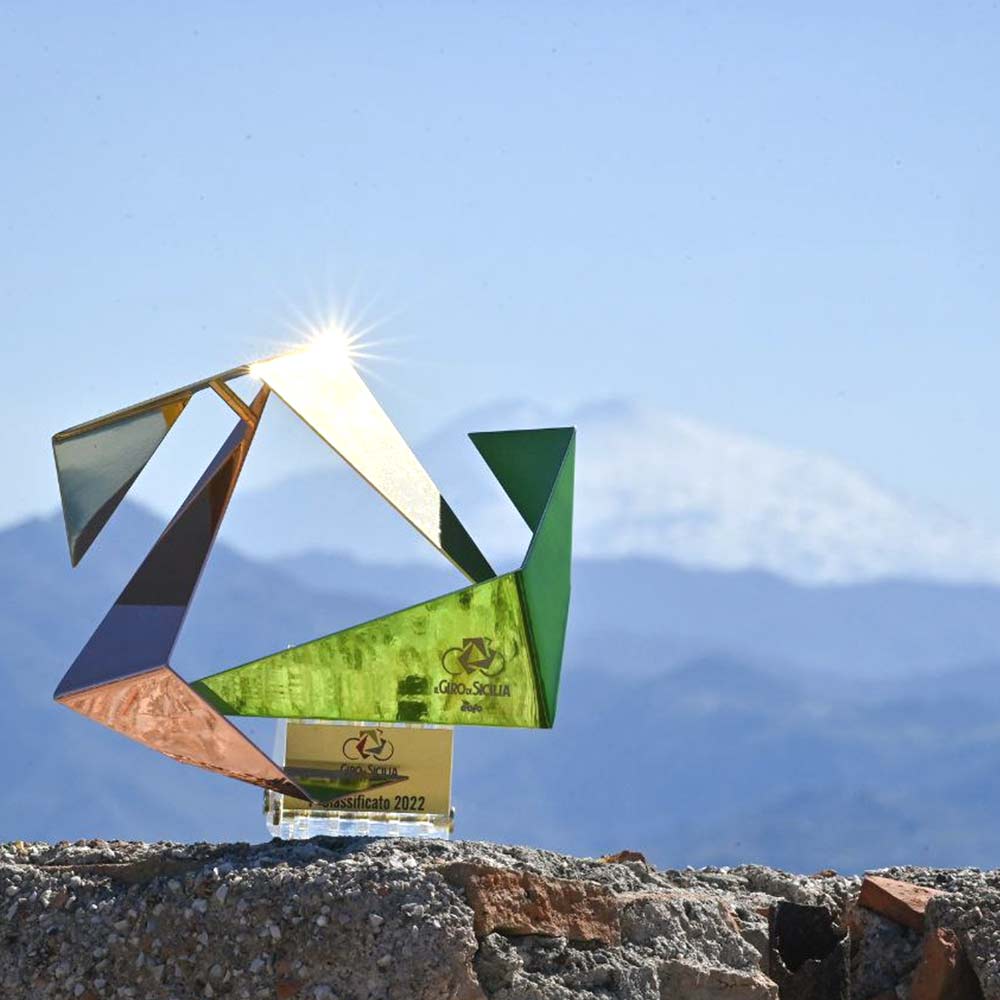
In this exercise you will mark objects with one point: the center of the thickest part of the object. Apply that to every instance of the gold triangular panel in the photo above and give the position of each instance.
(331, 397)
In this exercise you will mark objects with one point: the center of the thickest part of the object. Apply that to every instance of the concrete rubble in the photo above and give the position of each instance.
(353, 919)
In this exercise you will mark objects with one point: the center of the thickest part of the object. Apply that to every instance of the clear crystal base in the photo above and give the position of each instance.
(298, 825)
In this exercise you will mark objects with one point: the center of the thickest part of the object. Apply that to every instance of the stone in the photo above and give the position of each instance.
(693, 982)
(973, 913)
(399, 922)
(518, 903)
(903, 902)
(883, 952)
(700, 948)
(809, 953)
(944, 972)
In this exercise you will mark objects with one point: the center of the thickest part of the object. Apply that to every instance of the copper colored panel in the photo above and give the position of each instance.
(159, 710)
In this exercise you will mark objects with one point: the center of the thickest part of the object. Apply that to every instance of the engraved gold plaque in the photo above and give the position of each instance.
(380, 773)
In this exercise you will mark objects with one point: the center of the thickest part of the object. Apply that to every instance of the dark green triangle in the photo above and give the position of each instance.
(545, 577)
(526, 464)
(536, 469)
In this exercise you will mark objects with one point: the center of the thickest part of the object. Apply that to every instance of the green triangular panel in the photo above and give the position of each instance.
(546, 578)
(97, 467)
(405, 667)
(526, 464)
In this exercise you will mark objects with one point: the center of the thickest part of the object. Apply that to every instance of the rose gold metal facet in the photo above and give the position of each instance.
(159, 710)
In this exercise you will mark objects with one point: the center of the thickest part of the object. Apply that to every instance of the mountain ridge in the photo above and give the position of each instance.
(649, 482)
(743, 742)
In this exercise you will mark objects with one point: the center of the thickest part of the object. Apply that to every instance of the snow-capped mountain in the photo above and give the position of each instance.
(649, 483)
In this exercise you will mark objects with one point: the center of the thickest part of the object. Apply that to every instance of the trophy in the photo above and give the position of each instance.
(364, 740)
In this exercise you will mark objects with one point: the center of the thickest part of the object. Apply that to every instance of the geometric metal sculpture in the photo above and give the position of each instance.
(488, 654)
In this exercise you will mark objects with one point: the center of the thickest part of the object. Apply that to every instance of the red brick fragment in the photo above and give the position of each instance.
(612, 859)
(902, 902)
(517, 903)
(944, 972)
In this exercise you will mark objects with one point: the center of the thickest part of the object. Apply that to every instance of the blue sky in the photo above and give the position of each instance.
(779, 218)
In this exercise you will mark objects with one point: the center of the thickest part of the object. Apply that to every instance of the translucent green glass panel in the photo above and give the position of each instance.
(97, 467)
(460, 659)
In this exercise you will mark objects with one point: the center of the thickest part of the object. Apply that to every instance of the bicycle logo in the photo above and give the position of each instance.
(370, 744)
(475, 654)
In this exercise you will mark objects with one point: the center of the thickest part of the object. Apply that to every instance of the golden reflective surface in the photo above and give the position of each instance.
(328, 394)
(232, 400)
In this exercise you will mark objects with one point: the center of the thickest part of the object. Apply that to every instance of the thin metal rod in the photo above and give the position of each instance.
(232, 400)
(149, 404)
(157, 401)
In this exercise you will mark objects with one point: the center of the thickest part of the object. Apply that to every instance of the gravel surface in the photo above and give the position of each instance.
(351, 919)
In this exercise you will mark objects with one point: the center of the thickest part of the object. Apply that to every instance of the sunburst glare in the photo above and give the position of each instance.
(335, 337)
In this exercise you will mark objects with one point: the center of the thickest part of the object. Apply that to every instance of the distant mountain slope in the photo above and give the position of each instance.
(719, 763)
(65, 766)
(669, 736)
(650, 484)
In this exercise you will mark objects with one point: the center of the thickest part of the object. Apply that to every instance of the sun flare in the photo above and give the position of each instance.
(333, 343)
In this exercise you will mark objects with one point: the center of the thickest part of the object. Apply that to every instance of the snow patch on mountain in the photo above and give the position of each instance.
(653, 483)
(649, 483)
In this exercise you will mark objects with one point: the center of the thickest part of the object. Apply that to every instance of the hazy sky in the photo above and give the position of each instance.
(775, 219)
